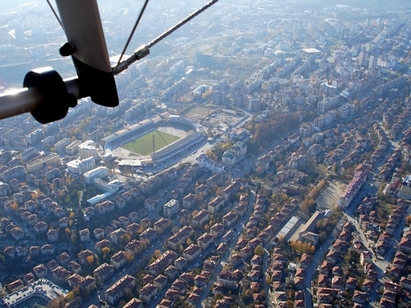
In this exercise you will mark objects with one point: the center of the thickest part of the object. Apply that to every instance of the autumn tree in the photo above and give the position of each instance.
(259, 170)
(335, 216)
(206, 94)
(313, 193)
(226, 146)
(322, 236)
(248, 294)
(58, 302)
(129, 256)
(308, 206)
(259, 250)
(322, 223)
(144, 243)
(73, 238)
(321, 184)
(14, 206)
(353, 256)
(125, 238)
(90, 260)
(302, 247)
(211, 155)
(157, 254)
(67, 233)
(183, 221)
(105, 251)
(200, 197)
(70, 296)
(219, 191)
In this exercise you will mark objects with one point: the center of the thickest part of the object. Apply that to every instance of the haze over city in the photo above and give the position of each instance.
(259, 157)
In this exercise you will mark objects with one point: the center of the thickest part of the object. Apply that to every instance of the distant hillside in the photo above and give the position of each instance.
(371, 4)
(15, 5)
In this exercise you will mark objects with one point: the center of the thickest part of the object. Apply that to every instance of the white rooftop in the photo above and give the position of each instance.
(42, 288)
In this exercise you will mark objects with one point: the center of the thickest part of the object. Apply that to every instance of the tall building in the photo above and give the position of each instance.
(178, 68)
(171, 208)
(372, 63)
(405, 189)
(363, 58)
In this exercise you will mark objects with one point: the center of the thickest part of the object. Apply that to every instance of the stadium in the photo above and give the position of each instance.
(174, 134)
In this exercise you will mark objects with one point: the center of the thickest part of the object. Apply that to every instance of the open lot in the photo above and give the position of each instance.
(144, 144)
(328, 198)
(198, 113)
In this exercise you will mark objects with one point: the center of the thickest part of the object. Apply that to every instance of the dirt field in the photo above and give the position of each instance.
(198, 113)
(329, 196)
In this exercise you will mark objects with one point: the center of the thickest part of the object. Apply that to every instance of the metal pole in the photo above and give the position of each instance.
(24, 100)
(19, 102)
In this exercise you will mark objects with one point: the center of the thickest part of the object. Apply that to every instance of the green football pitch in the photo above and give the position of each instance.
(144, 144)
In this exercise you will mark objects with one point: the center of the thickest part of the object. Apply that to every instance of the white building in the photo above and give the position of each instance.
(206, 162)
(405, 189)
(171, 208)
(80, 166)
(229, 157)
(240, 148)
(111, 187)
(98, 172)
(73, 147)
(42, 288)
(178, 68)
(88, 149)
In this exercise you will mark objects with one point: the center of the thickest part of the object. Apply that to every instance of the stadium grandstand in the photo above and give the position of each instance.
(177, 147)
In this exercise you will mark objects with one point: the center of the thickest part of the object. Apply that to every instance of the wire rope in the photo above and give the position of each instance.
(131, 34)
(55, 14)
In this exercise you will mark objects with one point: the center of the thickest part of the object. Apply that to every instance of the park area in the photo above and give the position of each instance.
(144, 144)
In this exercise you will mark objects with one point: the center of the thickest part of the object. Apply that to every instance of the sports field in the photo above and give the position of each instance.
(144, 144)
